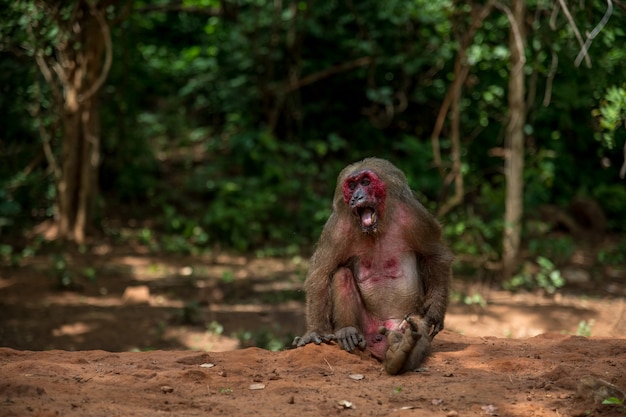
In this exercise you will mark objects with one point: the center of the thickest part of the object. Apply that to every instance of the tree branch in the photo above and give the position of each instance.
(570, 19)
(583, 51)
(317, 76)
(165, 8)
(106, 35)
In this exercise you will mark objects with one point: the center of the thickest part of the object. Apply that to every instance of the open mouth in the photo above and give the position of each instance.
(367, 217)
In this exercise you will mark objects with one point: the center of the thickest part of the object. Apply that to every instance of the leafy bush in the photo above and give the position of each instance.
(539, 275)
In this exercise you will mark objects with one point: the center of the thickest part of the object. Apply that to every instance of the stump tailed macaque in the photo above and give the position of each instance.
(380, 276)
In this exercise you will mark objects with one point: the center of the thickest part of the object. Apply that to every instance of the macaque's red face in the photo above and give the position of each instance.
(365, 194)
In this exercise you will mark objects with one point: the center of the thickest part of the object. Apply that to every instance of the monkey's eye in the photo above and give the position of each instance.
(365, 181)
(352, 185)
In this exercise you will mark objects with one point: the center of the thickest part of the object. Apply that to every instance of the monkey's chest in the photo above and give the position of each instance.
(389, 284)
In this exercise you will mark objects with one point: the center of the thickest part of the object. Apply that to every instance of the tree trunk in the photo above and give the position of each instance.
(81, 130)
(514, 154)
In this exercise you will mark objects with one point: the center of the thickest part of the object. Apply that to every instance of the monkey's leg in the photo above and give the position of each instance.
(347, 310)
(408, 347)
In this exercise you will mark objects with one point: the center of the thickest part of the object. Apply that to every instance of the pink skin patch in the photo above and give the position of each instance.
(376, 342)
(371, 184)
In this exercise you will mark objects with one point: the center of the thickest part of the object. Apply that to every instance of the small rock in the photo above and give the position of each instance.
(356, 377)
(256, 386)
(166, 389)
(345, 404)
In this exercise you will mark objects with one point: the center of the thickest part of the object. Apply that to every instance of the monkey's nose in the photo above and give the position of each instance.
(378, 338)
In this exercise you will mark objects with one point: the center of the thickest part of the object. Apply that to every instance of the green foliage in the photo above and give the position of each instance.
(61, 273)
(471, 235)
(615, 401)
(584, 328)
(476, 299)
(557, 248)
(539, 275)
(228, 127)
(265, 339)
(611, 115)
(614, 254)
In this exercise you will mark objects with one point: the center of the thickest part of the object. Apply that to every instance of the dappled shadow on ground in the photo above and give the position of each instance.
(220, 302)
(122, 301)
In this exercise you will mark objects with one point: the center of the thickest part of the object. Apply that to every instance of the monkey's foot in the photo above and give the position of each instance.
(408, 347)
(312, 337)
(349, 338)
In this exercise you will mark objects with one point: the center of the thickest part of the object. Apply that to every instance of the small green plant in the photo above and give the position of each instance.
(619, 402)
(228, 276)
(90, 274)
(226, 391)
(614, 255)
(475, 299)
(263, 338)
(61, 273)
(538, 275)
(584, 328)
(215, 328)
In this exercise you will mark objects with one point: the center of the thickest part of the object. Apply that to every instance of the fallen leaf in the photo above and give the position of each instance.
(207, 365)
(356, 377)
(256, 386)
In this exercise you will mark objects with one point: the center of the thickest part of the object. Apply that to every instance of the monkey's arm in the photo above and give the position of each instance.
(319, 304)
(434, 263)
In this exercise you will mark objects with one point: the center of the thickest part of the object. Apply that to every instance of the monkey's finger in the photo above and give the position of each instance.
(436, 329)
(357, 340)
(348, 343)
(316, 338)
(362, 342)
(296, 342)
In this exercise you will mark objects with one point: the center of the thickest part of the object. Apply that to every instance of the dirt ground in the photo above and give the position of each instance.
(121, 332)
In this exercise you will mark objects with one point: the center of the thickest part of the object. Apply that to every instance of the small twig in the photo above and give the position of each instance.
(343, 67)
(548, 94)
(583, 51)
(570, 19)
(622, 171)
(331, 368)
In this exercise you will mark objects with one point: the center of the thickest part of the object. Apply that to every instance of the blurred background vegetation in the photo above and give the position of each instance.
(192, 125)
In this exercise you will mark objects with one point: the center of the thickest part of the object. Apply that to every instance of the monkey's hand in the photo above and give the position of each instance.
(349, 338)
(433, 322)
(436, 328)
(408, 347)
(312, 337)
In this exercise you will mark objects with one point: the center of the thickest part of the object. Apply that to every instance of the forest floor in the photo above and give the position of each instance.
(120, 331)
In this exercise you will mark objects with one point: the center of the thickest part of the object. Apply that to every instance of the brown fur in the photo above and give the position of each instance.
(336, 299)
